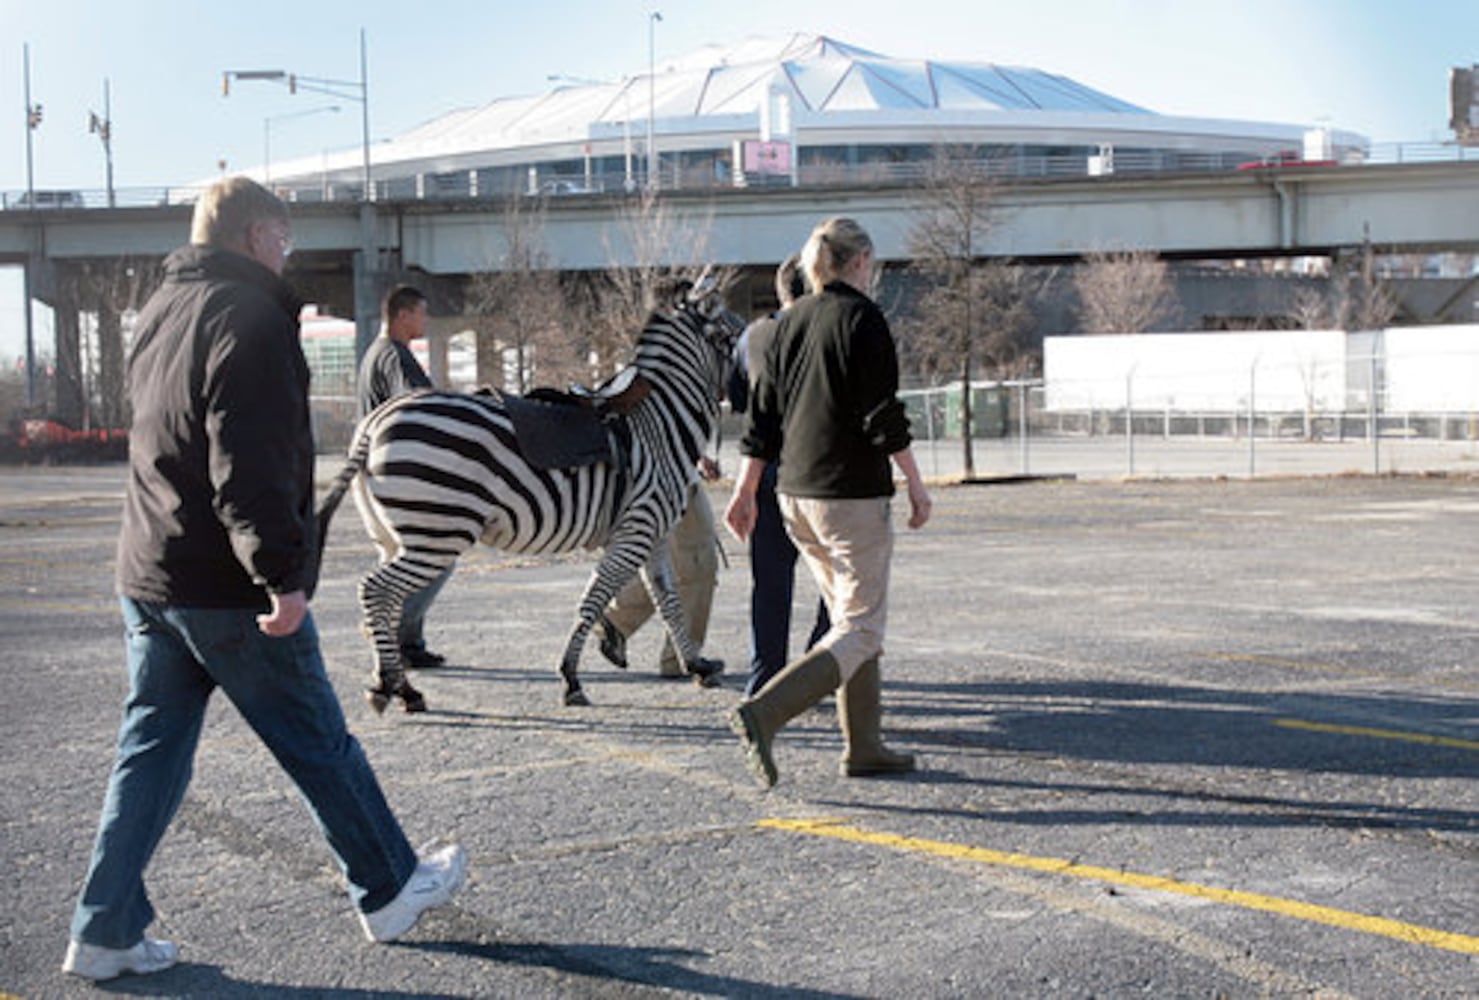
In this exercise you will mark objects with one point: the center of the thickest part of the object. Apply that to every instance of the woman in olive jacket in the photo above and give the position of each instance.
(826, 408)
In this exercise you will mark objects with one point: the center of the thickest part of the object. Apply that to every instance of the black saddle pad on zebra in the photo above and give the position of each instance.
(558, 431)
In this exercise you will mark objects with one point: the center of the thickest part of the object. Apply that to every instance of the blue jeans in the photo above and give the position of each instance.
(411, 635)
(176, 658)
(772, 587)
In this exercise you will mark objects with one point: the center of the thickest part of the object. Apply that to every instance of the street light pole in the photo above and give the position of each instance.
(366, 305)
(652, 19)
(33, 119)
(364, 103)
(345, 90)
(267, 135)
(104, 129)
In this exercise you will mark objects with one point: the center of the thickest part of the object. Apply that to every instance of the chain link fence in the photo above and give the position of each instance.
(1325, 403)
(1400, 400)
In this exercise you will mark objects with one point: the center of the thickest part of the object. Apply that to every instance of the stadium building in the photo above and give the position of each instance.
(798, 110)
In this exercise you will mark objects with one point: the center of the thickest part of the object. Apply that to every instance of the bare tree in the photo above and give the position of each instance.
(1124, 291)
(664, 248)
(89, 363)
(1361, 300)
(1355, 298)
(525, 333)
(971, 314)
(1311, 309)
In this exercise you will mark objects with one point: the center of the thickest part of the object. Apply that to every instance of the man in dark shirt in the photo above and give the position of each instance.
(389, 369)
(772, 554)
(217, 559)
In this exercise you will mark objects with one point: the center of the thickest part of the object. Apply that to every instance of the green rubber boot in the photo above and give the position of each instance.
(860, 713)
(800, 684)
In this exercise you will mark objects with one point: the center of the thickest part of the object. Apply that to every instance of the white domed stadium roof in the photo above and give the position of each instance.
(715, 85)
(810, 89)
(827, 75)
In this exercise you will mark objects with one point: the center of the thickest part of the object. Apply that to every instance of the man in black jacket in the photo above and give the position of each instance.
(216, 564)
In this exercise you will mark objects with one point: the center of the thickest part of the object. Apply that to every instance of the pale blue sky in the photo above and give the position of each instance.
(1371, 66)
(1374, 67)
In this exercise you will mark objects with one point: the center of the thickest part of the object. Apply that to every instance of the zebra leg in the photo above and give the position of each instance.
(618, 564)
(569, 663)
(662, 587)
(613, 643)
(381, 595)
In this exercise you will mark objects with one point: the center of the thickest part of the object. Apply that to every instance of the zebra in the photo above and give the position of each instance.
(435, 472)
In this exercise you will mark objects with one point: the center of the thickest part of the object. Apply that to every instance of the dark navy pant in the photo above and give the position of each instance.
(772, 587)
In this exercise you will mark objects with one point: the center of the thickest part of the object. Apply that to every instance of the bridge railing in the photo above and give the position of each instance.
(443, 187)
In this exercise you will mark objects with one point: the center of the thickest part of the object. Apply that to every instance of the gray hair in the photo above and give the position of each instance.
(230, 207)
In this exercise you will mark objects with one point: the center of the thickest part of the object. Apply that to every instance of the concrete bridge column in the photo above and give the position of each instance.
(69, 403)
(111, 412)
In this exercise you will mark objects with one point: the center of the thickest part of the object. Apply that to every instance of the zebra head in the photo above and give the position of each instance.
(722, 327)
(692, 332)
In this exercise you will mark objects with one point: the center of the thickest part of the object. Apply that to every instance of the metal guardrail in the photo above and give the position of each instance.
(462, 185)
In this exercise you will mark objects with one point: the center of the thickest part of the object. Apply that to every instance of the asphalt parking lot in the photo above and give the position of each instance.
(1192, 739)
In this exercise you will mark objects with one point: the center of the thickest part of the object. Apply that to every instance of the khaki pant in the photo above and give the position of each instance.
(848, 546)
(694, 551)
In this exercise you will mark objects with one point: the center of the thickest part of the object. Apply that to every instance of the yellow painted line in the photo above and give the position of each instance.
(1344, 919)
(1380, 734)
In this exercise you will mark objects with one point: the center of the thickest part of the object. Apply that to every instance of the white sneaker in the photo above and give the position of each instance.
(93, 962)
(437, 876)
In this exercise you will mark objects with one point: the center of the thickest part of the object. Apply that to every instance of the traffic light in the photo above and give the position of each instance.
(1463, 89)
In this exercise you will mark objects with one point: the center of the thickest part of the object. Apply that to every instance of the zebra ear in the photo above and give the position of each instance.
(705, 295)
(703, 285)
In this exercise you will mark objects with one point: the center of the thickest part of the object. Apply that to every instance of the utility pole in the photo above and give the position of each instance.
(33, 119)
(104, 129)
(652, 178)
(367, 263)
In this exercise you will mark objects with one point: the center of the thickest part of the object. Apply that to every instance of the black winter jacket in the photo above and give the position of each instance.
(219, 505)
(825, 404)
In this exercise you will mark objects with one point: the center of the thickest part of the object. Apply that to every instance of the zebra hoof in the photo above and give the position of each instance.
(411, 699)
(613, 645)
(378, 701)
(706, 671)
(576, 698)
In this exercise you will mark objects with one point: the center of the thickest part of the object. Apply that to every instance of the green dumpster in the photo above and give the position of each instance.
(990, 412)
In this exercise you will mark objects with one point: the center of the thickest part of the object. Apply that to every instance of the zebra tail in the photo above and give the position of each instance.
(358, 455)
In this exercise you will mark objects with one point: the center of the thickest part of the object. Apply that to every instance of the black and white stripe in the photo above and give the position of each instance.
(434, 472)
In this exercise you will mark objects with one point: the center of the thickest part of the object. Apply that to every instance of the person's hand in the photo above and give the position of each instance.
(287, 614)
(920, 504)
(740, 514)
(708, 468)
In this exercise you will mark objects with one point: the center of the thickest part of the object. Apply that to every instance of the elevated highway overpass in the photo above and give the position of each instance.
(1399, 208)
